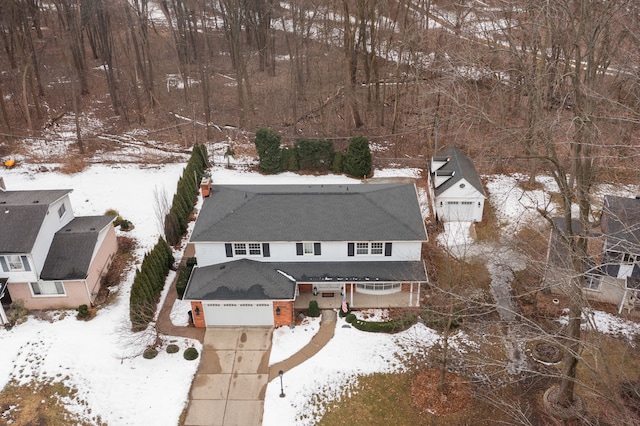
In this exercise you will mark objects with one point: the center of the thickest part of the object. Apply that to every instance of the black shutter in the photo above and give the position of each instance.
(350, 249)
(387, 249)
(299, 251)
(25, 263)
(229, 249)
(316, 249)
(265, 250)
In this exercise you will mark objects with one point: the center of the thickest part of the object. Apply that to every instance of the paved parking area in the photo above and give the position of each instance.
(231, 380)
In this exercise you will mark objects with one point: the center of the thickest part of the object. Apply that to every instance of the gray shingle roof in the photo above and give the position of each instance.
(22, 214)
(247, 279)
(242, 279)
(462, 168)
(70, 253)
(621, 224)
(381, 212)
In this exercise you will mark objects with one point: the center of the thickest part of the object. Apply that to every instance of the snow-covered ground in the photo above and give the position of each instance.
(100, 358)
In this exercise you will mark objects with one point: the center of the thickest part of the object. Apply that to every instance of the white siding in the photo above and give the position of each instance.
(51, 224)
(332, 251)
(453, 204)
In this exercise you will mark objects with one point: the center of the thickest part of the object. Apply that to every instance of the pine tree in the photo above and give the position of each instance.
(358, 161)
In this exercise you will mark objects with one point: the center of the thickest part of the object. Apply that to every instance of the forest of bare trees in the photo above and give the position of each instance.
(506, 81)
(531, 86)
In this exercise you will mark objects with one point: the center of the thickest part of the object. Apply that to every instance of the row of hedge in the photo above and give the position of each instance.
(312, 155)
(148, 284)
(183, 277)
(175, 222)
(391, 326)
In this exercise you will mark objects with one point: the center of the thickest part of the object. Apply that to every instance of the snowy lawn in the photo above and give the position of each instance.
(101, 358)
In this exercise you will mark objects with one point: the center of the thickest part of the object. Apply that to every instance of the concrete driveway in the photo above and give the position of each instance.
(231, 380)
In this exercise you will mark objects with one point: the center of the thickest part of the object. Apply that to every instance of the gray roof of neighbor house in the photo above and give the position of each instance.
(620, 224)
(558, 254)
(70, 254)
(348, 212)
(22, 215)
(461, 167)
(247, 279)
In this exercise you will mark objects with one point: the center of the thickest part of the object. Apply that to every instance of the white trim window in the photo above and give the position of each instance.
(255, 249)
(373, 287)
(592, 282)
(240, 249)
(373, 248)
(48, 288)
(62, 210)
(14, 263)
(307, 248)
(247, 249)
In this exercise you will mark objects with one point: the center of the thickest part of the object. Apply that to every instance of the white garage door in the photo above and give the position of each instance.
(238, 313)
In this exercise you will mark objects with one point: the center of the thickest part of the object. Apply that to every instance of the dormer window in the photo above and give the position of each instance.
(61, 211)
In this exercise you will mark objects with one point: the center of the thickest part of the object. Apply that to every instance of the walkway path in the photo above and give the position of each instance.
(322, 337)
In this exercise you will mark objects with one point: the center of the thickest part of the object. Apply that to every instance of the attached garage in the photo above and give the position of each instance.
(240, 293)
(238, 313)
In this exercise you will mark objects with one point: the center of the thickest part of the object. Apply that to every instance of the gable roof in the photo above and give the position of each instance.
(620, 224)
(358, 212)
(72, 248)
(247, 279)
(242, 279)
(22, 215)
(459, 167)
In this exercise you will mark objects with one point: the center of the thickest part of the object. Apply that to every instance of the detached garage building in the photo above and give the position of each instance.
(457, 194)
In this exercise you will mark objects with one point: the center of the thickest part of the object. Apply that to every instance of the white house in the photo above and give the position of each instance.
(260, 247)
(48, 257)
(457, 194)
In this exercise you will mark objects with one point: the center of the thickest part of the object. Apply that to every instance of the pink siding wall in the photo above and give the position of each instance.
(102, 261)
(76, 295)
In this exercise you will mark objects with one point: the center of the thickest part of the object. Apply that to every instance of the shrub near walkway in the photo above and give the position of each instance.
(391, 326)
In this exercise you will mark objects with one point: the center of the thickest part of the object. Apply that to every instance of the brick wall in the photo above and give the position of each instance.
(286, 313)
(198, 320)
(305, 288)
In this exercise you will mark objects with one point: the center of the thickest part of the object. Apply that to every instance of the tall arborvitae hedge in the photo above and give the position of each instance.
(357, 162)
(148, 284)
(175, 223)
(269, 153)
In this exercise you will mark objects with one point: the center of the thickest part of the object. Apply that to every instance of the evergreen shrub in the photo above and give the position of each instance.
(150, 353)
(314, 155)
(392, 326)
(267, 144)
(172, 349)
(357, 161)
(83, 312)
(190, 354)
(314, 309)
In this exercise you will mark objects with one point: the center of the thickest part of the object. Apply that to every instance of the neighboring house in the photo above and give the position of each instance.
(49, 258)
(261, 248)
(620, 224)
(457, 194)
(616, 278)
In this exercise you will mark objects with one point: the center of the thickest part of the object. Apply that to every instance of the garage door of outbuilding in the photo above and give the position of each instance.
(238, 313)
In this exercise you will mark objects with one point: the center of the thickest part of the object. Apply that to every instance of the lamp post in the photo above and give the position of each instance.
(281, 373)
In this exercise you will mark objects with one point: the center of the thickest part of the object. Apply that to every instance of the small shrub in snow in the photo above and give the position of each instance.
(83, 312)
(172, 349)
(190, 354)
(150, 353)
